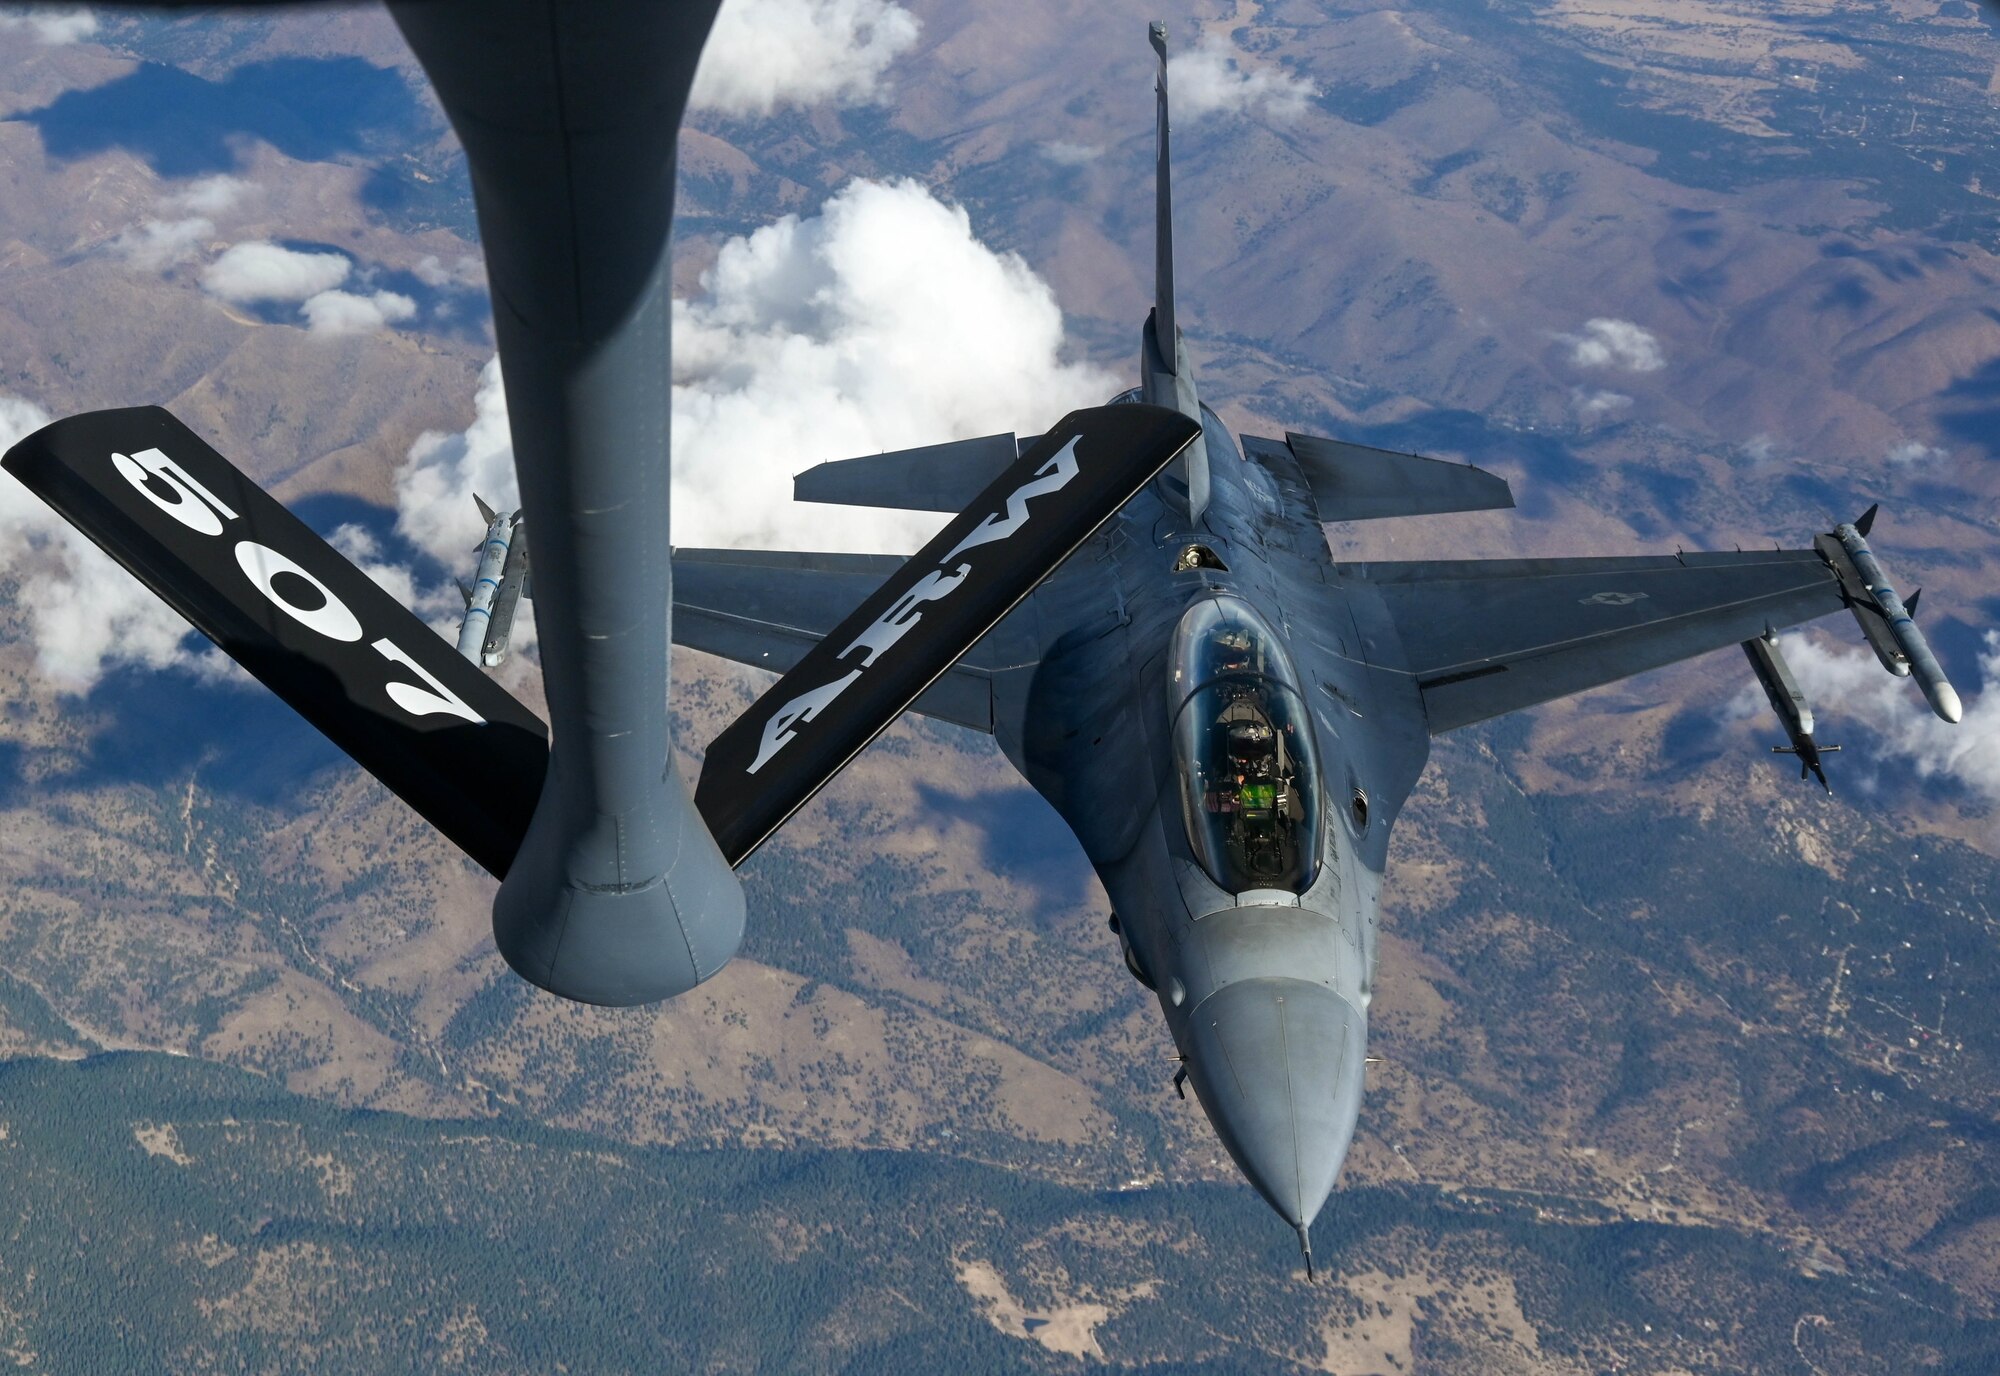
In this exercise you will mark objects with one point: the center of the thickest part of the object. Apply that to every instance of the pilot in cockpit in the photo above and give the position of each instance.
(1245, 751)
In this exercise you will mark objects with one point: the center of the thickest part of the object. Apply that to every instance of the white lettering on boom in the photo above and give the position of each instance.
(902, 615)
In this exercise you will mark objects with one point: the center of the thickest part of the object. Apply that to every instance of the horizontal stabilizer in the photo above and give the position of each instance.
(937, 477)
(306, 623)
(1351, 482)
(926, 614)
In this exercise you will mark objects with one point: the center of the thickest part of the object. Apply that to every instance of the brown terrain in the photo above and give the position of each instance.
(1623, 979)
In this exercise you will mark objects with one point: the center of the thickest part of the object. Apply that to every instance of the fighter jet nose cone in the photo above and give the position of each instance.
(1278, 1063)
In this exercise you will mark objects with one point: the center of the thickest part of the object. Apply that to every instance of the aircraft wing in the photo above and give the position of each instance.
(769, 607)
(1486, 637)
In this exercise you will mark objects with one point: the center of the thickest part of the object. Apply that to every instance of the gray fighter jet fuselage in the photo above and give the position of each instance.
(1238, 825)
(1231, 764)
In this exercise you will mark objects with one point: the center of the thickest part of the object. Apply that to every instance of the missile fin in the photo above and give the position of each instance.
(1911, 605)
(1867, 520)
(486, 513)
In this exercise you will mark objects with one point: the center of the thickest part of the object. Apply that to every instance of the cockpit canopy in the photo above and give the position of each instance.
(1243, 745)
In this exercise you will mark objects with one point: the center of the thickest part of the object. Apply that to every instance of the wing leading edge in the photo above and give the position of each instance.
(1486, 637)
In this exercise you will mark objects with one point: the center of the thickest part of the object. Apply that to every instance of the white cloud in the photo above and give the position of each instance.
(1912, 453)
(259, 271)
(1590, 404)
(766, 53)
(85, 614)
(1608, 343)
(1852, 685)
(880, 323)
(185, 225)
(1209, 78)
(435, 512)
(1761, 449)
(344, 312)
(436, 485)
(210, 195)
(466, 271)
(1071, 154)
(53, 24)
(156, 245)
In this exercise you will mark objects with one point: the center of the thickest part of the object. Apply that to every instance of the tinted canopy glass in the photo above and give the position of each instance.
(1243, 745)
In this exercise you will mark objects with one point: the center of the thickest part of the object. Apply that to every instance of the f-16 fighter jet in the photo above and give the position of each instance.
(1230, 721)
(1142, 612)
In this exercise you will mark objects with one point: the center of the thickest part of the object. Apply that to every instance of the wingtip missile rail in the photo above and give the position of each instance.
(1885, 619)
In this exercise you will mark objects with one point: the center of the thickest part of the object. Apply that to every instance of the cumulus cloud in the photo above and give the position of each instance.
(435, 513)
(880, 323)
(210, 195)
(764, 54)
(345, 312)
(1913, 453)
(185, 224)
(464, 271)
(1209, 79)
(53, 24)
(156, 245)
(1853, 686)
(1591, 404)
(258, 271)
(444, 472)
(1608, 343)
(85, 614)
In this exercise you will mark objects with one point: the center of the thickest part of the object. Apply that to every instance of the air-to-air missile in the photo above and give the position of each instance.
(1789, 702)
(496, 589)
(1884, 618)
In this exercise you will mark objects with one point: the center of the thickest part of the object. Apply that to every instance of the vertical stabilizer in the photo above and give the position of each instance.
(1163, 361)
